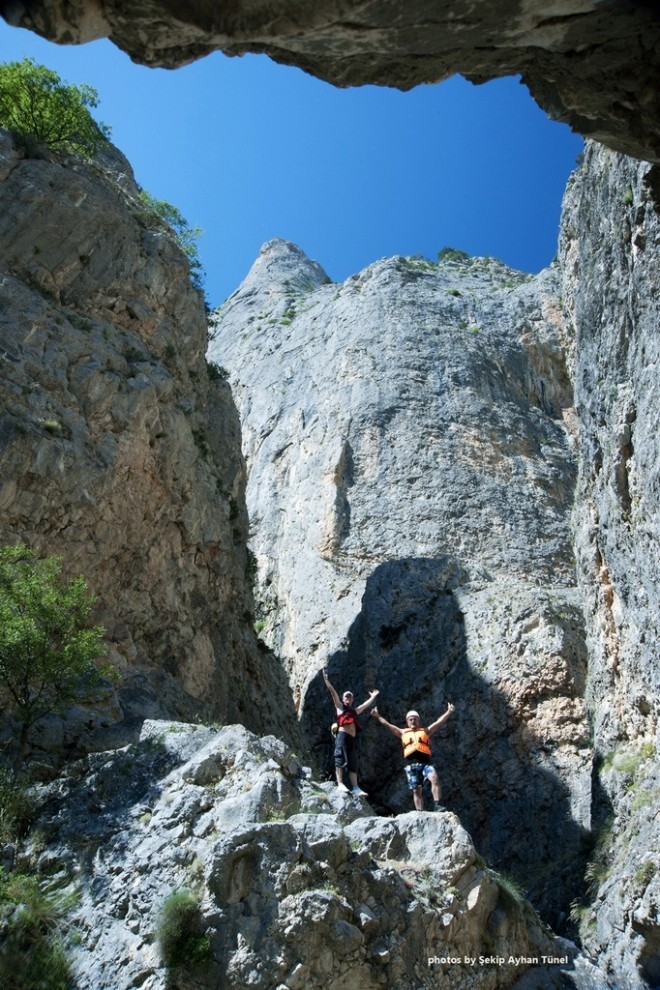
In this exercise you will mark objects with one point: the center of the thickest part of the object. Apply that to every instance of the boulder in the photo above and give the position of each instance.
(288, 896)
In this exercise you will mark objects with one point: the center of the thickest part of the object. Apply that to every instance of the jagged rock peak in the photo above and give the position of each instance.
(410, 486)
(281, 266)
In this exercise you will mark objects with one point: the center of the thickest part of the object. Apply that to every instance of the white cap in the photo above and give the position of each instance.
(416, 714)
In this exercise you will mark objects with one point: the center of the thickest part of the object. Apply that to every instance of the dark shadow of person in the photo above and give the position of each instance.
(507, 770)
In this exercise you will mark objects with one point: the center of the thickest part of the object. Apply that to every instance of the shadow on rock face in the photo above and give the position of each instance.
(522, 792)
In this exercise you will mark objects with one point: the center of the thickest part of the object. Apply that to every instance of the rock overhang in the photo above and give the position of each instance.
(590, 64)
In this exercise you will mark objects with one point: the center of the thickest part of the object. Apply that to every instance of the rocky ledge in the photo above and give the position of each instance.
(297, 885)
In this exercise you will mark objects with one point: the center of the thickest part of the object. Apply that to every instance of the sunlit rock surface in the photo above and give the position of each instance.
(411, 476)
(610, 249)
(298, 885)
(116, 449)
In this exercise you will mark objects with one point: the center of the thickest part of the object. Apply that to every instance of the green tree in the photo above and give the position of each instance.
(37, 105)
(187, 236)
(48, 649)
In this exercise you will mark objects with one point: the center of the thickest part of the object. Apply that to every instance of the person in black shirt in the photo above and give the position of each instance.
(348, 726)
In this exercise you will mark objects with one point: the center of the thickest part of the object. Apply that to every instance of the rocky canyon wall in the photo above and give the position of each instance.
(610, 252)
(610, 249)
(118, 450)
(408, 436)
(452, 474)
(121, 451)
(431, 450)
(414, 443)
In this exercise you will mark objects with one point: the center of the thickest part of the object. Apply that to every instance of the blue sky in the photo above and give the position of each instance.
(249, 150)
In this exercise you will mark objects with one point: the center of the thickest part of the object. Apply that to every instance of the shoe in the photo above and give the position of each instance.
(438, 806)
(343, 787)
(359, 792)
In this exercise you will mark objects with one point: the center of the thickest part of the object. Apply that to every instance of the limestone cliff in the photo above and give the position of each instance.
(374, 411)
(589, 63)
(611, 253)
(117, 449)
(610, 246)
(428, 447)
(298, 886)
(410, 484)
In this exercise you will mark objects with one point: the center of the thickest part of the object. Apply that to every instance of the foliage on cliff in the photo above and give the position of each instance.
(48, 650)
(187, 236)
(38, 106)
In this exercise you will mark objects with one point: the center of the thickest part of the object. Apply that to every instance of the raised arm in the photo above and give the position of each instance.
(443, 718)
(333, 694)
(368, 702)
(394, 729)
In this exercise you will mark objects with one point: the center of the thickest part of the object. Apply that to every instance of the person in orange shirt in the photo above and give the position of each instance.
(417, 754)
(348, 726)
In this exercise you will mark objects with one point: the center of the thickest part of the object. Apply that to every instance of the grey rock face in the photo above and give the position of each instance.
(410, 485)
(298, 885)
(590, 64)
(610, 248)
(611, 242)
(414, 441)
(110, 453)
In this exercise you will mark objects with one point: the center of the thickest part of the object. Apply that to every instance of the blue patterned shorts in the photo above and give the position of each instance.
(417, 773)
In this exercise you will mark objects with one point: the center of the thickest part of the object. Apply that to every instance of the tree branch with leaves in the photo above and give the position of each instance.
(49, 652)
(42, 109)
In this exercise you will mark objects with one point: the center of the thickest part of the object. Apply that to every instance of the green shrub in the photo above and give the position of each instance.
(417, 262)
(187, 237)
(41, 109)
(580, 914)
(180, 935)
(599, 866)
(645, 873)
(645, 799)
(32, 955)
(251, 567)
(511, 892)
(426, 884)
(17, 807)
(628, 761)
(48, 650)
(452, 254)
(52, 426)
(216, 372)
